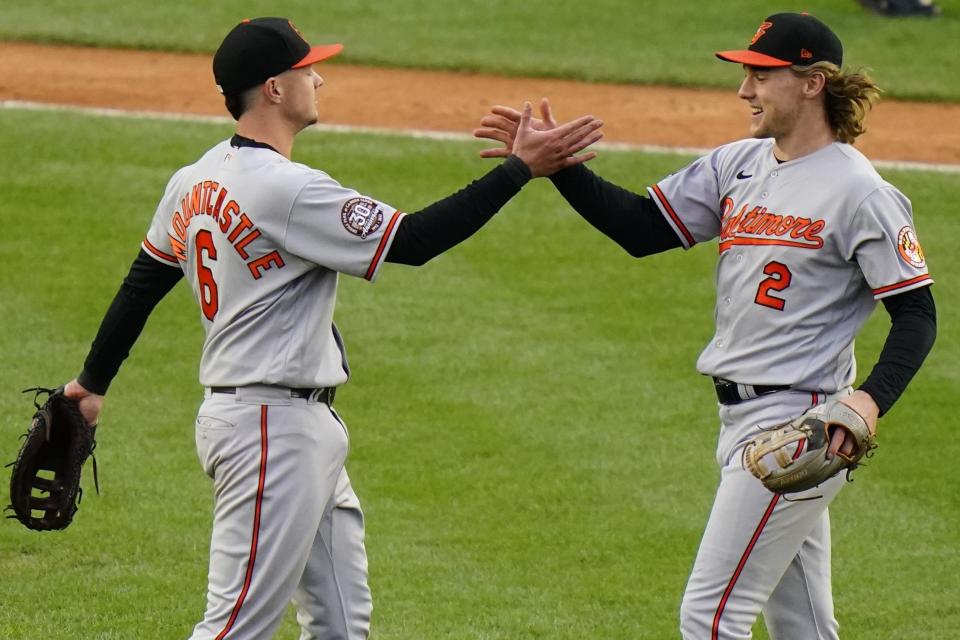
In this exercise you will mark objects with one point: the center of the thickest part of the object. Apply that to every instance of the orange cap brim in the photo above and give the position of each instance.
(752, 58)
(318, 53)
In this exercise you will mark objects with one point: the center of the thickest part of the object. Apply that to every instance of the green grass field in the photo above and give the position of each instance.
(530, 440)
(656, 41)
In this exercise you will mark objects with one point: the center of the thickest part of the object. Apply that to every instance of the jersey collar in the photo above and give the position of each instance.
(241, 141)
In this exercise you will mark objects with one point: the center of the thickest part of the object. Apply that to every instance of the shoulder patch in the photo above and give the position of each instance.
(361, 216)
(909, 248)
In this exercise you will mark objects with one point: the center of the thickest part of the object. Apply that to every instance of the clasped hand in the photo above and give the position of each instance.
(543, 145)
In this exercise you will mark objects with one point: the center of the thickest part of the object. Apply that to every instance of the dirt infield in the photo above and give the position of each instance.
(366, 96)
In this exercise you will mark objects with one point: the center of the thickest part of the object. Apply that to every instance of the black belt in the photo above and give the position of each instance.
(324, 394)
(730, 392)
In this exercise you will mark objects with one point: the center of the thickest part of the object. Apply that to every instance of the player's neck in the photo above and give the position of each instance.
(268, 131)
(810, 134)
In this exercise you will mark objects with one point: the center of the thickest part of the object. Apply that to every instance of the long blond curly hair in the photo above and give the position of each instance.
(849, 97)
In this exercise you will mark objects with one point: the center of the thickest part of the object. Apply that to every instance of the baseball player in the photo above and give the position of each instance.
(261, 240)
(809, 238)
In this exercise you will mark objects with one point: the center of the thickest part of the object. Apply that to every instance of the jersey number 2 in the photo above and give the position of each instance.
(209, 302)
(779, 280)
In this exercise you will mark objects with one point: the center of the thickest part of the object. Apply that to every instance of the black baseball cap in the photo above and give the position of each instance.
(258, 49)
(786, 39)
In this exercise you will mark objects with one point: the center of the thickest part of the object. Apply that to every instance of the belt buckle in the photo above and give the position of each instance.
(728, 391)
(323, 394)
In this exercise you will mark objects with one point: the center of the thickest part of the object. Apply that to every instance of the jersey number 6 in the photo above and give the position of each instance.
(779, 280)
(209, 303)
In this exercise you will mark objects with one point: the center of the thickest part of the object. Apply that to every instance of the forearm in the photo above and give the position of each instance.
(912, 334)
(629, 219)
(145, 285)
(445, 223)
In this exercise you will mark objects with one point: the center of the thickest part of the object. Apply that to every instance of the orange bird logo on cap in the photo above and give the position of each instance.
(761, 31)
(295, 30)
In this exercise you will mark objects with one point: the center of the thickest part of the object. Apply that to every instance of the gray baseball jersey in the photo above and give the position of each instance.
(262, 257)
(801, 266)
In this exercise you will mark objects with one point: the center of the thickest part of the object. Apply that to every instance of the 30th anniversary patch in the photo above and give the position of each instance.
(361, 216)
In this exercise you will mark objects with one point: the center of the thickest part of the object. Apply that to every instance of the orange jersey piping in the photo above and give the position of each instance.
(673, 215)
(387, 234)
(159, 254)
(900, 285)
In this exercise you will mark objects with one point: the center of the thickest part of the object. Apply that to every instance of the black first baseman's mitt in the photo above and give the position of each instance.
(45, 483)
(793, 457)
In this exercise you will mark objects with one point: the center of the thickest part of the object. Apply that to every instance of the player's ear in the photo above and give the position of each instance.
(814, 84)
(272, 90)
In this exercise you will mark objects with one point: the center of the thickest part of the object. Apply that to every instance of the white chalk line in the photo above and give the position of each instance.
(902, 165)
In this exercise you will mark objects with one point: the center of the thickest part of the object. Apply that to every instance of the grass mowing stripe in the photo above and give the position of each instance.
(530, 440)
(901, 165)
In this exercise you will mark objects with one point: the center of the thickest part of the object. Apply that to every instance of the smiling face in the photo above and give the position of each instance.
(775, 96)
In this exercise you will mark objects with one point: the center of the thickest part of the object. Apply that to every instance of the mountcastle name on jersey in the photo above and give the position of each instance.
(263, 262)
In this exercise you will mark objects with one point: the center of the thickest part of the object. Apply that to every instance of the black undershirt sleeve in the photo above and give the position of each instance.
(145, 285)
(636, 224)
(419, 238)
(434, 229)
(913, 329)
(631, 220)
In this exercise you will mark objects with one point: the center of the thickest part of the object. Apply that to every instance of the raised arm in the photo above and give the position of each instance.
(631, 220)
(447, 222)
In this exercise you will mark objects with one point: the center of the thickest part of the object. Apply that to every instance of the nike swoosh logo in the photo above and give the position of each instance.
(743, 176)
